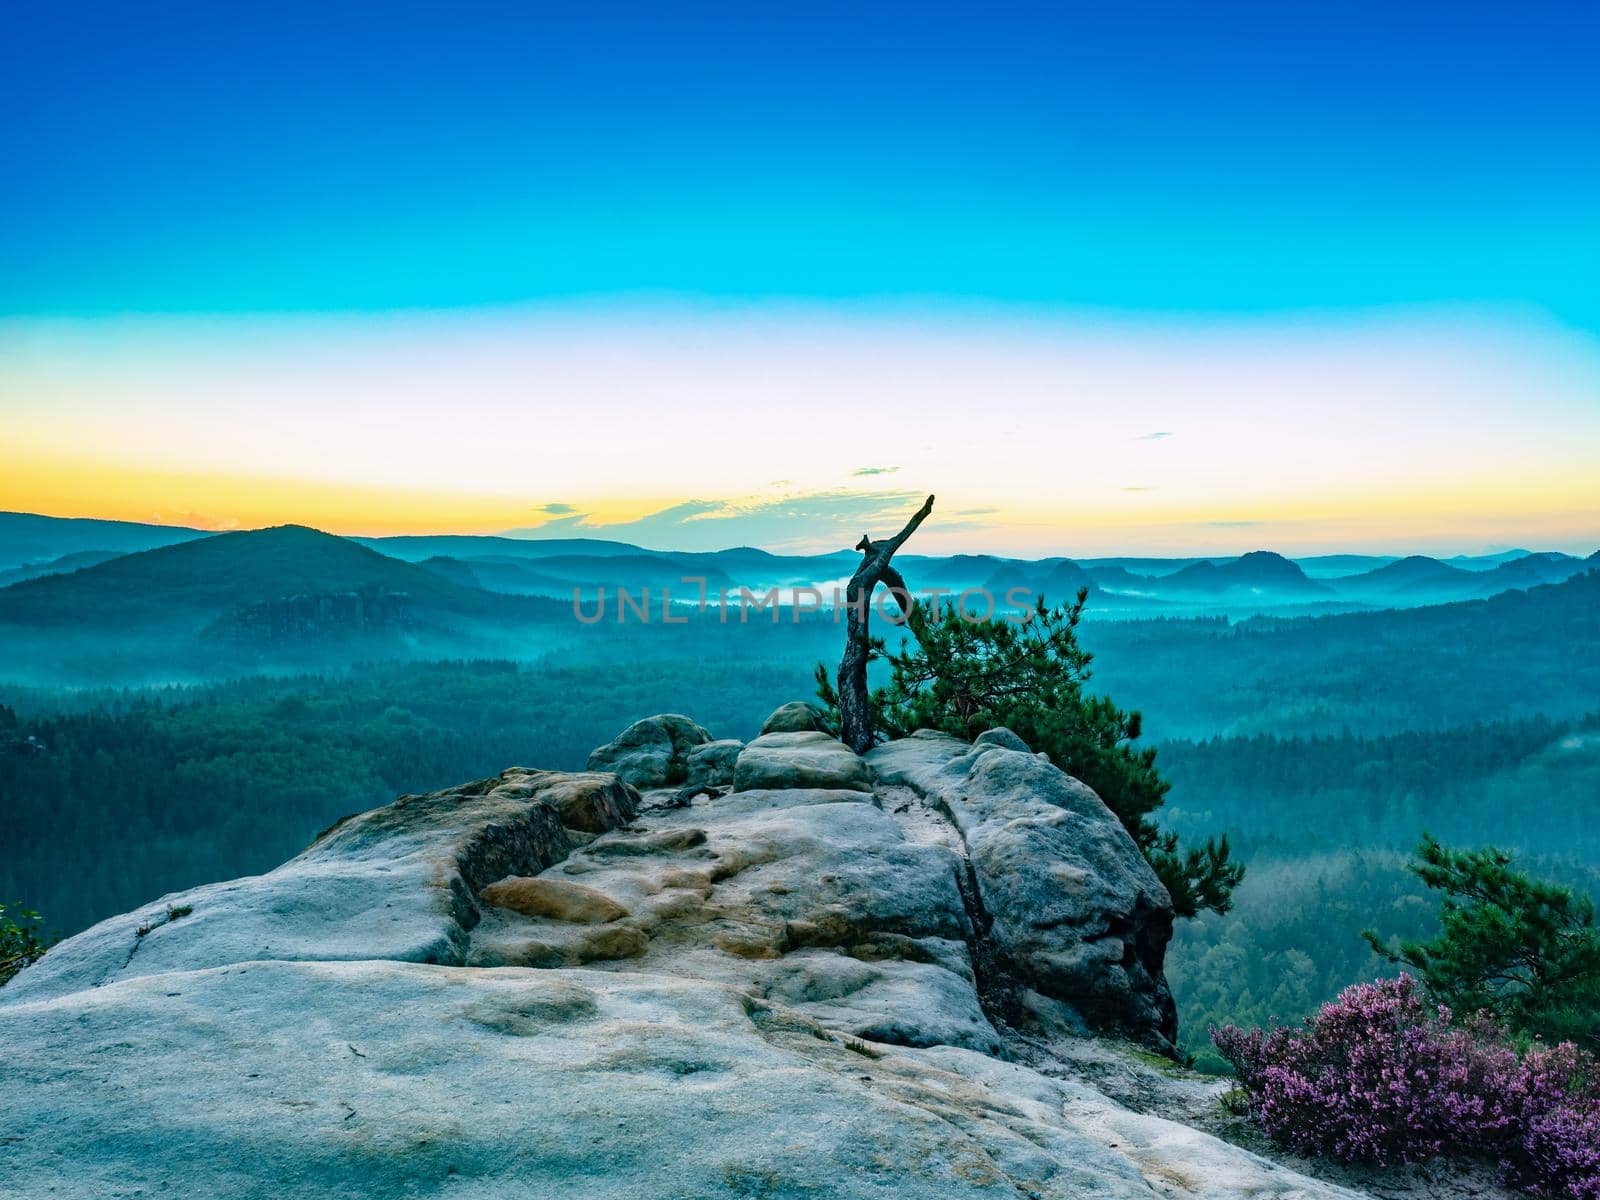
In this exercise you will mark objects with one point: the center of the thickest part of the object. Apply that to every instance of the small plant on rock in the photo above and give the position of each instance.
(22, 940)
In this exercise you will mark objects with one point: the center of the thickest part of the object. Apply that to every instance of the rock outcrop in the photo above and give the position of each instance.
(843, 978)
(651, 753)
(1076, 913)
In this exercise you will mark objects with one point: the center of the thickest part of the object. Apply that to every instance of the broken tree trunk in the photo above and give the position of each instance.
(855, 713)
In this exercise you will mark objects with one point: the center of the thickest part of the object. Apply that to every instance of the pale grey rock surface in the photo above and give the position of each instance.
(1075, 908)
(803, 759)
(397, 883)
(537, 985)
(379, 1079)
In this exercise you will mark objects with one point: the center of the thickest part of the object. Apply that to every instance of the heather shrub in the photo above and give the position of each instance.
(1381, 1076)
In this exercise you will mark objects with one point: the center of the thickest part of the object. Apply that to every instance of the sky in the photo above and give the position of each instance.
(1150, 278)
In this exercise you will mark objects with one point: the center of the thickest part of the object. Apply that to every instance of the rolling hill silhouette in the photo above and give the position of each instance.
(29, 538)
(1258, 571)
(194, 582)
(1417, 572)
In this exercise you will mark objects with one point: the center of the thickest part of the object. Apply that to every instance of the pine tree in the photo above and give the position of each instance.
(963, 677)
(1523, 949)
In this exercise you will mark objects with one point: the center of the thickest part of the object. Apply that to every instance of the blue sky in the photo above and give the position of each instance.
(1222, 157)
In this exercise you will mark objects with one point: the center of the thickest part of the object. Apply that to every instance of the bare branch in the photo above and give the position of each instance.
(855, 717)
(888, 548)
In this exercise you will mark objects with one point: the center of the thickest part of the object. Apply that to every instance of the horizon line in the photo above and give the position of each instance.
(1490, 552)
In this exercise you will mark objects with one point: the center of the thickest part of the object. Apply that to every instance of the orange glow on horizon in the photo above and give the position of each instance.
(1079, 435)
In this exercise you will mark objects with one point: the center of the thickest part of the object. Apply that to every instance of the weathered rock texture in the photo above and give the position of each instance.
(799, 760)
(711, 764)
(651, 753)
(1075, 912)
(841, 979)
(798, 716)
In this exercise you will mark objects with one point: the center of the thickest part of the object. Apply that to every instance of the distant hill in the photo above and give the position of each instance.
(1485, 562)
(1150, 567)
(1065, 580)
(1517, 654)
(202, 579)
(750, 567)
(634, 572)
(31, 539)
(64, 565)
(1006, 577)
(415, 548)
(1422, 580)
(966, 570)
(456, 570)
(552, 567)
(1530, 570)
(1057, 580)
(502, 573)
(1414, 573)
(1330, 566)
(549, 569)
(1258, 571)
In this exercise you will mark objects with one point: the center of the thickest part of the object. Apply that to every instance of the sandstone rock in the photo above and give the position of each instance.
(797, 716)
(651, 753)
(1075, 909)
(799, 760)
(1001, 737)
(299, 1079)
(553, 898)
(591, 802)
(711, 764)
(399, 883)
(788, 990)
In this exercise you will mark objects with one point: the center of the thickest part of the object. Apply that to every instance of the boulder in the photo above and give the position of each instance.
(651, 753)
(797, 716)
(711, 764)
(589, 802)
(1001, 737)
(799, 760)
(1076, 911)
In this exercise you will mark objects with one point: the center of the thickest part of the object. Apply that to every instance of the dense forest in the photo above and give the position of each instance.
(1528, 784)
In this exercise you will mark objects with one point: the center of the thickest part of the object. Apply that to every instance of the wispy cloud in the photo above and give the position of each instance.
(1154, 437)
(1138, 488)
(874, 470)
(809, 521)
(195, 520)
(1230, 524)
(556, 510)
